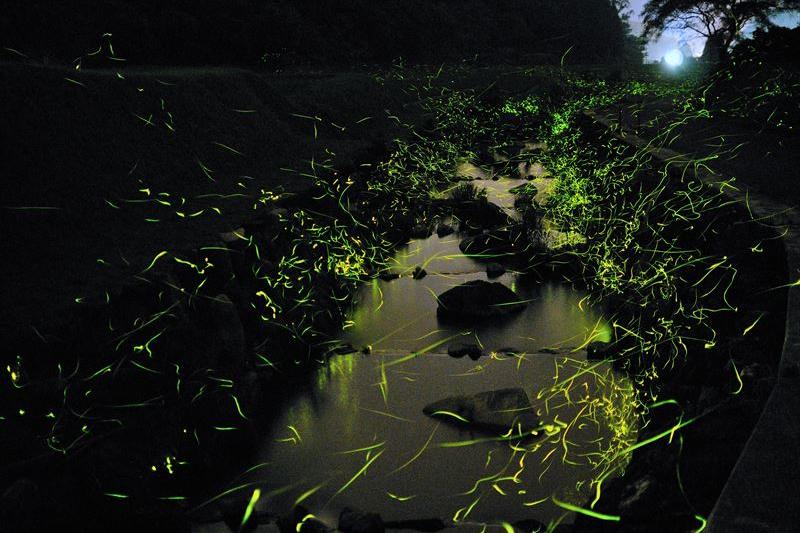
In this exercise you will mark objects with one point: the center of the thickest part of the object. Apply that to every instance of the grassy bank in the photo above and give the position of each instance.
(697, 318)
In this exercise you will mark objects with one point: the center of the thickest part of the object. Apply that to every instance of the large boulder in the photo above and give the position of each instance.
(478, 299)
(494, 411)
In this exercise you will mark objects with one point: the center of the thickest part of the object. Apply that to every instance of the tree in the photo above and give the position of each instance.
(720, 21)
(633, 45)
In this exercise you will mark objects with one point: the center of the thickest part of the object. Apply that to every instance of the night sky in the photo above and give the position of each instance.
(656, 50)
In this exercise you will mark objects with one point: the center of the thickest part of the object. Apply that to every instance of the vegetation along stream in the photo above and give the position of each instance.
(505, 316)
(359, 435)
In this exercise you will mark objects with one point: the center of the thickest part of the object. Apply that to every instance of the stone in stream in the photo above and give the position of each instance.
(342, 349)
(478, 299)
(419, 273)
(481, 213)
(388, 275)
(300, 520)
(495, 270)
(493, 411)
(488, 244)
(443, 230)
(460, 349)
(420, 231)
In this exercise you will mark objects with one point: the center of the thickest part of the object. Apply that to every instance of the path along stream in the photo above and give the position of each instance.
(358, 433)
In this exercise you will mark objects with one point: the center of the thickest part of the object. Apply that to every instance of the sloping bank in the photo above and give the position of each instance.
(139, 318)
(755, 494)
(697, 281)
(179, 239)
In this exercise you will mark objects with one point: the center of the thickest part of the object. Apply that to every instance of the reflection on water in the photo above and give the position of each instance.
(356, 436)
(401, 316)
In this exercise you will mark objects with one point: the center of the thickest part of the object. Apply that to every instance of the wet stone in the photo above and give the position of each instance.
(420, 231)
(443, 230)
(460, 349)
(478, 299)
(388, 275)
(492, 411)
(495, 270)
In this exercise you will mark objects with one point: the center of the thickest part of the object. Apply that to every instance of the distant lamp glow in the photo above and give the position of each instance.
(673, 58)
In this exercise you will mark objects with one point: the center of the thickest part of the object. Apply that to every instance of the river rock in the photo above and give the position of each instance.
(443, 230)
(300, 520)
(478, 299)
(460, 349)
(495, 270)
(481, 213)
(493, 411)
(488, 244)
(420, 231)
(419, 273)
(355, 521)
(388, 275)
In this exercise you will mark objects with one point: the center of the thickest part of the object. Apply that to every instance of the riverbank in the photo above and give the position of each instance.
(137, 356)
(140, 400)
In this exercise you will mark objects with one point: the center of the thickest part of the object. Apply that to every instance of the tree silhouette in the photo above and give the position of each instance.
(720, 21)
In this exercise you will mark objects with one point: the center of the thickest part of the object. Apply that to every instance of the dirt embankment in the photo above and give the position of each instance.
(104, 170)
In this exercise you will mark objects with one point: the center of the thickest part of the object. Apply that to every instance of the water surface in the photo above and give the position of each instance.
(356, 435)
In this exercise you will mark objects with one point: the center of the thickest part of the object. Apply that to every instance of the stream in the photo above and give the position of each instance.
(357, 435)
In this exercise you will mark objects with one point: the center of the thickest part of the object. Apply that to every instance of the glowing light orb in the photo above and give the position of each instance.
(673, 58)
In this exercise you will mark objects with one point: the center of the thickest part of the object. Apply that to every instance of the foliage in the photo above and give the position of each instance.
(467, 191)
(283, 33)
(721, 21)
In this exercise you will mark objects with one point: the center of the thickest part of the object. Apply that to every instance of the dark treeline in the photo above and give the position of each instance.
(284, 32)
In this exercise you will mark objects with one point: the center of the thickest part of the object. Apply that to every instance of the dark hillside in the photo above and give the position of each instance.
(283, 32)
(74, 146)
